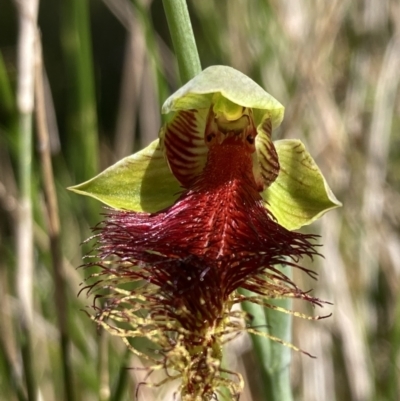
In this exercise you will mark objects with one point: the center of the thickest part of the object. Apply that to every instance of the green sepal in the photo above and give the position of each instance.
(300, 194)
(199, 93)
(141, 182)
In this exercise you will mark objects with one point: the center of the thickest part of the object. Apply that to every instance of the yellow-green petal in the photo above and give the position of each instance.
(141, 182)
(199, 92)
(300, 194)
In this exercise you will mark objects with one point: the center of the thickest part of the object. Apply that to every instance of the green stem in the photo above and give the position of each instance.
(273, 358)
(183, 40)
(7, 104)
(120, 385)
(25, 270)
(60, 293)
(25, 252)
(82, 116)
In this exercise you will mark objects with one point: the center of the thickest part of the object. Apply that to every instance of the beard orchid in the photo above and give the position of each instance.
(208, 208)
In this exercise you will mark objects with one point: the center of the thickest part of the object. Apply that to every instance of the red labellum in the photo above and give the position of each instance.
(219, 234)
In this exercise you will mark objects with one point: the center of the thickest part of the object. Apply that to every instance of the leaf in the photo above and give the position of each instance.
(272, 357)
(300, 194)
(231, 84)
(141, 182)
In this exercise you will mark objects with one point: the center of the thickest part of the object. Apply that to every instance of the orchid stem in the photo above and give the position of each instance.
(183, 40)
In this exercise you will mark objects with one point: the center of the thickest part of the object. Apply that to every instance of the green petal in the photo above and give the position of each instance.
(300, 194)
(141, 182)
(233, 85)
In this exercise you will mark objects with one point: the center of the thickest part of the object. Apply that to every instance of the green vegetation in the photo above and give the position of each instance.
(107, 68)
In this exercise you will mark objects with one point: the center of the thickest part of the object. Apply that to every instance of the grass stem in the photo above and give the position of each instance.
(27, 14)
(60, 292)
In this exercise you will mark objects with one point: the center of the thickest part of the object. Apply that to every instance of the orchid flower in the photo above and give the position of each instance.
(208, 208)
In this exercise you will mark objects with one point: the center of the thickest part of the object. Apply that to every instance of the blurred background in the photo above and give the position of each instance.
(106, 68)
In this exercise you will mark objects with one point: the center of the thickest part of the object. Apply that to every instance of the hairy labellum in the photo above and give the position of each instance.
(173, 275)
